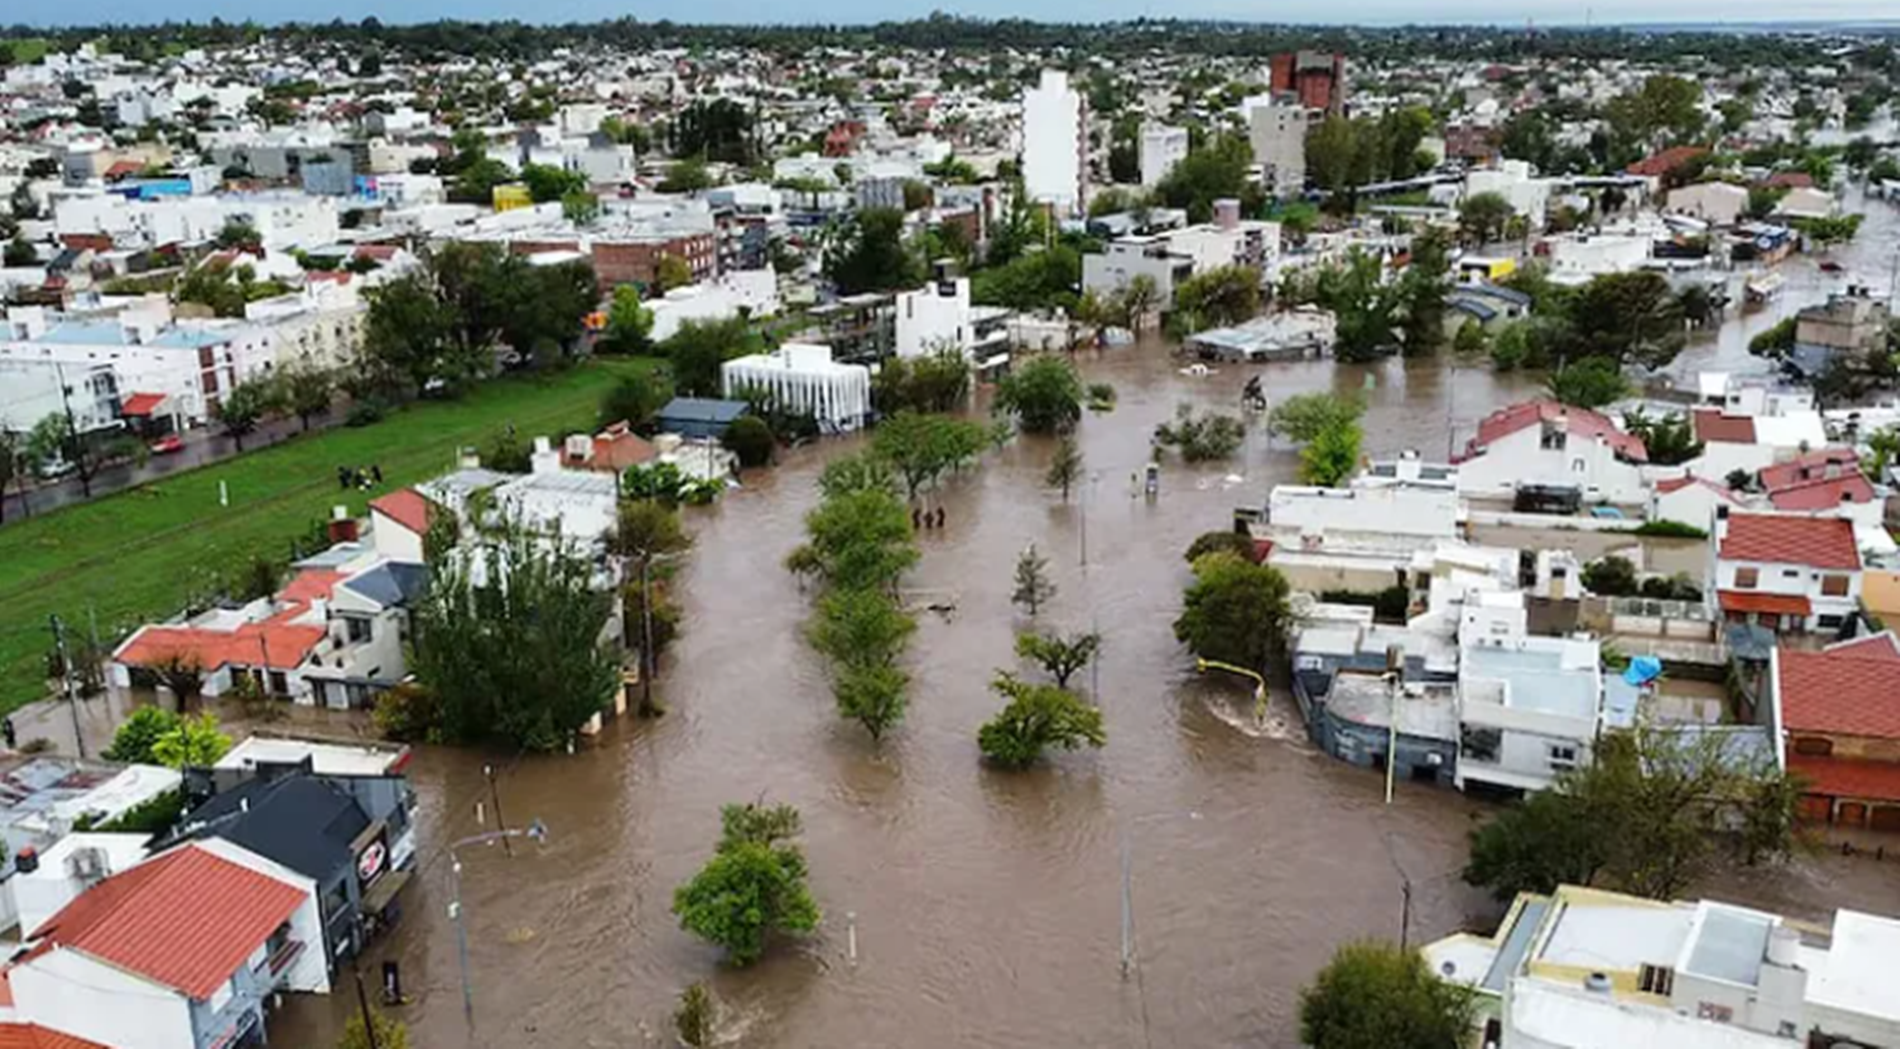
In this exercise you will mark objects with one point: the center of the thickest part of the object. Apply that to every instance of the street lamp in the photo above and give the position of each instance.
(535, 830)
(1260, 683)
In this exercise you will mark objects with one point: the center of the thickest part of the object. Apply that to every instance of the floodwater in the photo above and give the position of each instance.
(985, 907)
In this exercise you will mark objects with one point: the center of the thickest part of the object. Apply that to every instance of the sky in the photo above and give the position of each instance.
(1384, 12)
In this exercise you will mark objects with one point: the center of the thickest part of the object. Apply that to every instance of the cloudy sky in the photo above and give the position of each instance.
(1551, 12)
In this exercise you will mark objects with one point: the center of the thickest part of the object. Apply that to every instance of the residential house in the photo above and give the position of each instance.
(1829, 482)
(1851, 322)
(1359, 539)
(939, 316)
(182, 951)
(1547, 443)
(613, 450)
(1790, 574)
(43, 881)
(1688, 500)
(319, 827)
(1171, 257)
(1733, 440)
(1717, 203)
(1529, 708)
(1586, 969)
(45, 797)
(399, 522)
(1840, 729)
(1373, 694)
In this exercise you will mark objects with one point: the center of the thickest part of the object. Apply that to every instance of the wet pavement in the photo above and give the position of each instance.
(986, 905)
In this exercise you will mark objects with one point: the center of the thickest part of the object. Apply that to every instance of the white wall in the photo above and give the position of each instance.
(310, 972)
(1161, 148)
(1278, 136)
(1519, 459)
(394, 540)
(71, 992)
(1394, 510)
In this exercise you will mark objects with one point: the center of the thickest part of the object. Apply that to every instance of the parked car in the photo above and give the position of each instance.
(168, 444)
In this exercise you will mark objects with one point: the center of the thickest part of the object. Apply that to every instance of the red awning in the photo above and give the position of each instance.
(1765, 604)
(1847, 777)
(142, 404)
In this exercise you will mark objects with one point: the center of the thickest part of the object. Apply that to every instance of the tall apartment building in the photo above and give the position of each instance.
(1162, 147)
(1055, 143)
(1277, 132)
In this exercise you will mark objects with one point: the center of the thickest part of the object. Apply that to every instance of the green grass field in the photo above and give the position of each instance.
(130, 557)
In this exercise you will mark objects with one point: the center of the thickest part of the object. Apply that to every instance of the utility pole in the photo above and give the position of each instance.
(494, 797)
(646, 627)
(1128, 914)
(362, 1002)
(66, 682)
(535, 830)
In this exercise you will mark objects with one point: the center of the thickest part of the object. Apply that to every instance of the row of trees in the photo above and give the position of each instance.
(303, 389)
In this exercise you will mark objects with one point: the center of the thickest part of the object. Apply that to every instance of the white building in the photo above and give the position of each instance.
(1789, 573)
(1546, 443)
(1277, 132)
(939, 316)
(804, 378)
(1512, 180)
(749, 293)
(1579, 257)
(1055, 143)
(1161, 148)
(1172, 257)
(1717, 203)
(1588, 969)
(1528, 707)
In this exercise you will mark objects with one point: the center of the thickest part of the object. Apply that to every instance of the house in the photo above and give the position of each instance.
(182, 951)
(1529, 708)
(1548, 443)
(1851, 322)
(1688, 500)
(1489, 304)
(1829, 483)
(1790, 574)
(317, 827)
(44, 797)
(1657, 167)
(1717, 203)
(1840, 722)
(1587, 969)
(1806, 202)
(333, 635)
(612, 450)
(1358, 710)
(698, 417)
(1732, 440)
(939, 316)
(45, 880)
(1359, 539)
(398, 522)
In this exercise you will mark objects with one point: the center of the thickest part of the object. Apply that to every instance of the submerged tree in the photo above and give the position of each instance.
(1033, 587)
(753, 887)
(1065, 467)
(1060, 657)
(1376, 996)
(1038, 717)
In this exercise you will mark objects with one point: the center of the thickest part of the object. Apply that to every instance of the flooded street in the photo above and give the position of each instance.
(987, 905)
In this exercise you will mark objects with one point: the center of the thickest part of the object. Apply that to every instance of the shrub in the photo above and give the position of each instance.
(407, 713)
(1215, 542)
(364, 413)
(132, 744)
(1670, 530)
(751, 440)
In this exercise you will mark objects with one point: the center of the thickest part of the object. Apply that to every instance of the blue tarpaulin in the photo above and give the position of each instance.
(1642, 670)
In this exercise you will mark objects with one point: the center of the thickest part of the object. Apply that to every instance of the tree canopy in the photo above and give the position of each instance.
(753, 887)
(1235, 611)
(1037, 717)
(1376, 996)
(1044, 394)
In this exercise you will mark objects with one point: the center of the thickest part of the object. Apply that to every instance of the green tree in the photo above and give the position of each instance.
(633, 399)
(1041, 279)
(1302, 417)
(629, 323)
(1215, 172)
(922, 448)
(1630, 318)
(1649, 814)
(1201, 438)
(133, 742)
(580, 207)
(934, 382)
(698, 348)
(1044, 394)
(719, 129)
(1590, 383)
(19, 252)
(406, 340)
(1237, 543)
(1032, 586)
(687, 176)
(1670, 439)
(245, 405)
(1222, 296)
(1332, 150)
(1665, 111)
(1610, 576)
(1883, 448)
(547, 183)
(1483, 217)
(1423, 289)
(672, 272)
(869, 254)
(754, 886)
(1775, 342)
(694, 1018)
(194, 742)
(1036, 718)
(1376, 996)
(1332, 456)
(390, 1033)
(506, 641)
(857, 540)
(750, 438)
(306, 391)
(1235, 611)
(1365, 307)
(1059, 657)
(1471, 340)
(1065, 466)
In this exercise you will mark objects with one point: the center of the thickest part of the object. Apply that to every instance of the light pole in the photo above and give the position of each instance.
(1260, 683)
(535, 830)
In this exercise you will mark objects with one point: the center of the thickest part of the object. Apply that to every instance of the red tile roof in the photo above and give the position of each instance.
(187, 919)
(378, 252)
(1791, 180)
(141, 404)
(1810, 467)
(1712, 425)
(617, 448)
(277, 646)
(1818, 542)
(1580, 421)
(309, 585)
(1847, 778)
(33, 1036)
(1848, 691)
(1677, 484)
(1668, 160)
(1883, 645)
(1765, 604)
(1823, 494)
(405, 506)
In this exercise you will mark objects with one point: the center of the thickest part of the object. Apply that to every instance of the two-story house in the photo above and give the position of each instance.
(1555, 445)
(1529, 708)
(1786, 573)
(182, 951)
(1839, 714)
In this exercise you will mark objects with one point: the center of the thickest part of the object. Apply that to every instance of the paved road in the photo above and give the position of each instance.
(202, 447)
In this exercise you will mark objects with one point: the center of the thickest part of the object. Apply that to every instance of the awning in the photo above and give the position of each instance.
(1847, 777)
(378, 898)
(142, 404)
(1764, 604)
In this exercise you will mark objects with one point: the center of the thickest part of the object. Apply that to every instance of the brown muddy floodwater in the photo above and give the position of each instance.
(987, 905)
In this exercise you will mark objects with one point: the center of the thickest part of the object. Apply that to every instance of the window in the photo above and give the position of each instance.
(1480, 744)
(1789, 573)
(1813, 746)
(1834, 585)
(1563, 756)
(358, 629)
(1576, 466)
(1714, 1011)
(1747, 578)
(1656, 979)
(1827, 622)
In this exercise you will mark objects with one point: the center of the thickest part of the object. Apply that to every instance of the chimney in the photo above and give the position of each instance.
(467, 459)
(544, 459)
(27, 860)
(342, 528)
(1227, 213)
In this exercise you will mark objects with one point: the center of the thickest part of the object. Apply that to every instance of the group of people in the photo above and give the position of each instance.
(358, 477)
(926, 518)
